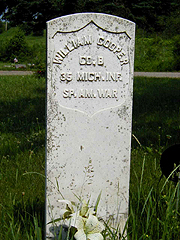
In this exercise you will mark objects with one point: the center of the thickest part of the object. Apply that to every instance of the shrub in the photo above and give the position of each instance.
(16, 47)
(154, 54)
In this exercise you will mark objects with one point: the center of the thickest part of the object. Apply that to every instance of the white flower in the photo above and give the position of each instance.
(70, 212)
(84, 208)
(66, 213)
(83, 219)
(89, 228)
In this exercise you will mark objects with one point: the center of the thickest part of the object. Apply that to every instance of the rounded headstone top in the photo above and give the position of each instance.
(75, 22)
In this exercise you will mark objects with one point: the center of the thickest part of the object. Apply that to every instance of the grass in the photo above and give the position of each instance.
(21, 150)
(156, 111)
(153, 211)
(154, 54)
(153, 208)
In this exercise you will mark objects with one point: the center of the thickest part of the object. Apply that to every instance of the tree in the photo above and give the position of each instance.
(114, 7)
(2, 6)
(31, 14)
(151, 14)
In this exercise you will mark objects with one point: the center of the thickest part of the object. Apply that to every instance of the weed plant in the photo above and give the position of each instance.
(154, 208)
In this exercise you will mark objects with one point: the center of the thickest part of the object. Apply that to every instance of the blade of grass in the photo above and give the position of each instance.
(146, 201)
(97, 202)
(167, 179)
(142, 172)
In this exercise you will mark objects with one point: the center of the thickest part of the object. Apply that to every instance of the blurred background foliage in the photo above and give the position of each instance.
(23, 23)
(161, 16)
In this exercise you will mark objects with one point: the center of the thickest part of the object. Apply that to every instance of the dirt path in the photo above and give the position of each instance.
(158, 74)
(21, 73)
(136, 74)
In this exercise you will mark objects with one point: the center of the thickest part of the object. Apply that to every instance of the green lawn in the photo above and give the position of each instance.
(156, 124)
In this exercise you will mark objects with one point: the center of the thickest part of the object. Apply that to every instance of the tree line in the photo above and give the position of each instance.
(149, 15)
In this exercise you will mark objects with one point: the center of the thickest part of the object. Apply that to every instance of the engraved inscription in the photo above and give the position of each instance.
(70, 46)
(91, 77)
(91, 68)
(98, 76)
(66, 76)
(88, 60)
(90, 93)
(115, 48)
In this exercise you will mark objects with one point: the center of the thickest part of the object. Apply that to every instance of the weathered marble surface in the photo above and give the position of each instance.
(90, 60)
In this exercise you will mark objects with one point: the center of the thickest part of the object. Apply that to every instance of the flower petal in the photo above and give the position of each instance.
(95, 236)
(84, 208)
(68, 203)
(76, 221)
(62, 212)
(93, 225)
(80, 235)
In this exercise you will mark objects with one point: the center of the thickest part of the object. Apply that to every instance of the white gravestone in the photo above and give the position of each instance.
(90, 61)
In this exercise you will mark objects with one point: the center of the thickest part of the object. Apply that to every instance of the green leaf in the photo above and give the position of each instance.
(97, 202)
(55, 220)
